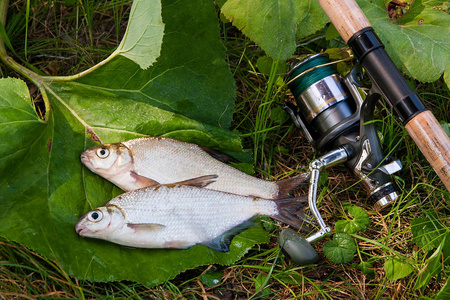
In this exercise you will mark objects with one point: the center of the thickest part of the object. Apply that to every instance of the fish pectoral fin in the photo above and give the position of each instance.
(200, 182)
(222, 243)
(142, 181)
(145, 226)
(220, 156)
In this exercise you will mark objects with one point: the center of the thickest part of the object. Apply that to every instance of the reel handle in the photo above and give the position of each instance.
(296, 246)
(356, 30)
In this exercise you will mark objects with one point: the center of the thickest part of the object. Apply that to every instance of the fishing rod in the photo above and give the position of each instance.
(336, 119)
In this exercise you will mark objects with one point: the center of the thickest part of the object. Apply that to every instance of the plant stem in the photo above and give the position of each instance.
(40, 81)
(11, 63)
(376, 243)
(81, 74)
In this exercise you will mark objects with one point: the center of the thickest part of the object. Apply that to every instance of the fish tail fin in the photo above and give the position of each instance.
(290, 211)
(287, 185)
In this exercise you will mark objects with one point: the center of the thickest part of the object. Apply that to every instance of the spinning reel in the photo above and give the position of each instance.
(335, 119)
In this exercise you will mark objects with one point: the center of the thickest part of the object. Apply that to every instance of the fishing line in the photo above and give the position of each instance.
(316, 64)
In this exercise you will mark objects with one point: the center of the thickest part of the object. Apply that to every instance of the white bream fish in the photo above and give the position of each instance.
(182, 215)
(150, 161)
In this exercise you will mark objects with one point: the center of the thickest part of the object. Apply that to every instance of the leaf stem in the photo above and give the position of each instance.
(11, 63)
(81, 74)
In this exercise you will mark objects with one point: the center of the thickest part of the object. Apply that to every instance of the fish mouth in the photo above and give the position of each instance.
(85, 159)
(79, 228)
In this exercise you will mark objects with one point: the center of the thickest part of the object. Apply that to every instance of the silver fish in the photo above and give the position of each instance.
(182, 215)
(150, 161)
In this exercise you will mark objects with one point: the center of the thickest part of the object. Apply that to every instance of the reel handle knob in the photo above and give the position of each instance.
(297, 247)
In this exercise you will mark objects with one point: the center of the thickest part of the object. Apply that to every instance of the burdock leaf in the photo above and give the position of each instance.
(144, 34)
(188, 93)
(418, 42)
(275, 25)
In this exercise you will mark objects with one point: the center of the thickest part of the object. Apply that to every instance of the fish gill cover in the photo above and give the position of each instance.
(184, 90)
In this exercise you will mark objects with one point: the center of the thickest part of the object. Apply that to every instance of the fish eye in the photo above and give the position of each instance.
(102, 152)
(95, 216)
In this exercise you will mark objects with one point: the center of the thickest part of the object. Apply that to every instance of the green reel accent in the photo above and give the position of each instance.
(299, 85)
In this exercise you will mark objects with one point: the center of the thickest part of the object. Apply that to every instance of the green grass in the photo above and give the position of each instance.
(77, 36)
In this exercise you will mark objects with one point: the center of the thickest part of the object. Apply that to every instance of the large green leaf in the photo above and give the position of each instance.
(418, 43)
(274, 24)
(145, 30)
(186, 94)
(190, 77)
(427, 232)
(395, 268)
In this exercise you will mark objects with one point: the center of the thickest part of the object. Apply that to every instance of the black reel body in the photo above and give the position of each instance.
(334, 117)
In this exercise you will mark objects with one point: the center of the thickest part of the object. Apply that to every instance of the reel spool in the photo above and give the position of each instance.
(321, 97)
(334, 117)
(325, 108)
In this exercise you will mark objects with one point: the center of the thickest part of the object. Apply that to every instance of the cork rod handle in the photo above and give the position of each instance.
(346, 16)
(424, 129)
(434, 143)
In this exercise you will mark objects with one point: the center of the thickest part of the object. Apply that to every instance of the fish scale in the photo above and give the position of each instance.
(198, 204)
(180, 216)
(164, 152)
(150, 161)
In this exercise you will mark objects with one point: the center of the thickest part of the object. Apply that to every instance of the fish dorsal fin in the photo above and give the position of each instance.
(225, 158)
(200, 182)
(222, 242)
(142, 181)
(145, 226)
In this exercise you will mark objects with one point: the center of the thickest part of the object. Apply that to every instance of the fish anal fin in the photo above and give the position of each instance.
(145, 226)
(222, 242)
(200, 182)
(142, 181)
(177, 244)
(220, 156)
